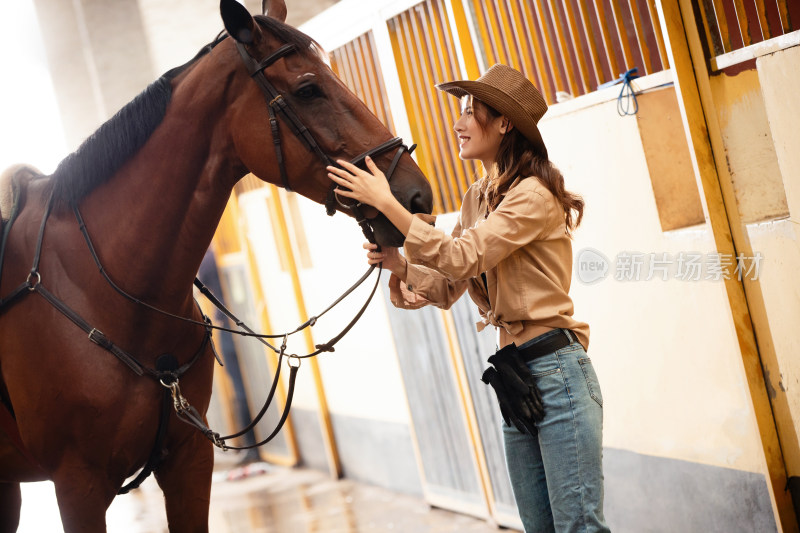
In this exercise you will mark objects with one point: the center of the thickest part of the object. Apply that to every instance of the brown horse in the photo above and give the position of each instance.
(151, 185)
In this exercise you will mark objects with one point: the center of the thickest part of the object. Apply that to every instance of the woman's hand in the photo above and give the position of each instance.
(370, 188)
(390, 257)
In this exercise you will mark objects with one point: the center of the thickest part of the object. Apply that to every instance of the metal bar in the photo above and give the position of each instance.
(380, 85)
(572, 27)
(563, 49)
(377, 97)
(744, 25)
(435, 42)
(763, 21)
(544, 30)
(443, 43)
(364, 68)
(709, 21)
(398, 32)
(722, 23)
(662, 50)
(489, 45)
(464, 43)
(641, 38)
(498, 36)
(622, 35)
(506, 24)
(527, 52)
(783, 9)
(426, 96)
(605, 30)
(588, 30)
(543, 66)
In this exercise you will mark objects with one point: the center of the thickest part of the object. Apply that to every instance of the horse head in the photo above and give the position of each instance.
(295, 117)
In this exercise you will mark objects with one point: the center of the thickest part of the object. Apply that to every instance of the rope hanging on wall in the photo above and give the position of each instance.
(626, 101)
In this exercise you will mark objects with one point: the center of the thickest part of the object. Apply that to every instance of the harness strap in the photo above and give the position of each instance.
(264, 407)
(328, 346)
(165, 363)
(14, 294)
(276, 141)
(284, 416)
(95, 335)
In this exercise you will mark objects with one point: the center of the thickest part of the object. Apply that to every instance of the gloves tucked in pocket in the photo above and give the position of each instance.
(512, 381)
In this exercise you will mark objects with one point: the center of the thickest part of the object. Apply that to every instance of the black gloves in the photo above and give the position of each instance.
(512, 381)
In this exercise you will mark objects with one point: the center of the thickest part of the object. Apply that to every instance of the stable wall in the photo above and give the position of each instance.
(679, 429)
(758, 113)
(678, 417)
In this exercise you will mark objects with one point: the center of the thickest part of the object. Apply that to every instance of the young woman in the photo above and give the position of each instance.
(511, 249)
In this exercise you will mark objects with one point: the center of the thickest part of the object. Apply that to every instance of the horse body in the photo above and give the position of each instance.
(86, 421)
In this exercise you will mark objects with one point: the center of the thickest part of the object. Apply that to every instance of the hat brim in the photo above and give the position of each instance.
(500, 101)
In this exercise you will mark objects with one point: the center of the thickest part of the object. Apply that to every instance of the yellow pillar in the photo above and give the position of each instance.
(285, 242)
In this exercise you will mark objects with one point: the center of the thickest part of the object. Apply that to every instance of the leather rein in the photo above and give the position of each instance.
(168, 371)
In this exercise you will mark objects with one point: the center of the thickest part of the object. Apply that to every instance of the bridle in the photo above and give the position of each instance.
(276, 103)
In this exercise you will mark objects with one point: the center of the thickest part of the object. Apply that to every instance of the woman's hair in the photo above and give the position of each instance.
(518, 156)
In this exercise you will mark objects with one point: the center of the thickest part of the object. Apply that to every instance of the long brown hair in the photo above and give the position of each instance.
(517, 156)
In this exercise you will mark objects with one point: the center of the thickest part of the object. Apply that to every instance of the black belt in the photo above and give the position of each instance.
(547, 345)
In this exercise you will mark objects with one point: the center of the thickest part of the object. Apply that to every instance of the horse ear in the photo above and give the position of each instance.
(275, 9)
(237, 20)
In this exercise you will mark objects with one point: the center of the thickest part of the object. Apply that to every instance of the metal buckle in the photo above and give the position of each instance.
(28, 280)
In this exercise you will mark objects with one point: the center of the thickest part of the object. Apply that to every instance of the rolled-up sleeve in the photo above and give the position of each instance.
(424, 286)
(521, 217)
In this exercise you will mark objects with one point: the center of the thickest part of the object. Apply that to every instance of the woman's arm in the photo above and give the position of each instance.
(524, 215)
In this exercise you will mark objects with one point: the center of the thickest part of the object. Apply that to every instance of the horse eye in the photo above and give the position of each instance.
(308, 91)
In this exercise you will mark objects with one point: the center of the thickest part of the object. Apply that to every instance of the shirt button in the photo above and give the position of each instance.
(410, 287)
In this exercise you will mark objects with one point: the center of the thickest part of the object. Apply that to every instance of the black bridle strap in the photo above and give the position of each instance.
(391, 144)
(276, 103)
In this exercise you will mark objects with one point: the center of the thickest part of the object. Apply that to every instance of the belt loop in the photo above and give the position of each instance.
(569, 335)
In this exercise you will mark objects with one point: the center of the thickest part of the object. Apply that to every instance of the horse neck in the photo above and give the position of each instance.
(155, 219)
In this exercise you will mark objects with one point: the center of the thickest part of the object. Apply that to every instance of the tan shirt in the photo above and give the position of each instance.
(522, 246)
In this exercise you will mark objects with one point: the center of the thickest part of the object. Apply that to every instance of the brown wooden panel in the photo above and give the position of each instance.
(563, 48)
(543, 58)
(763, 22)
(529, 51)
(355, 63)
(744, 23)
(588, 23)
(622, 36)
(605, 30)
(574, 35)
(641, 38)
(656, 25)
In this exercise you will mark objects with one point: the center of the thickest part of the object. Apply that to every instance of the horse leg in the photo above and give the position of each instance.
(10, 504)
(185, 479)
(83, 497)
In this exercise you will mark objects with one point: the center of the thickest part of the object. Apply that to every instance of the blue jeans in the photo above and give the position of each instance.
(557, 474)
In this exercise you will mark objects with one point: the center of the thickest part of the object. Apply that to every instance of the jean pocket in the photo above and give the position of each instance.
(591, 380)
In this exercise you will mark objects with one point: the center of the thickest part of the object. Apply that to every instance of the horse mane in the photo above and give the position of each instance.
(104, 152)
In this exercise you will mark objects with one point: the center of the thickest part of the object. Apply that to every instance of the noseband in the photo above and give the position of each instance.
(276, 103)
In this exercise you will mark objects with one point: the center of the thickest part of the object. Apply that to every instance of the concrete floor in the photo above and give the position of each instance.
(268, 500)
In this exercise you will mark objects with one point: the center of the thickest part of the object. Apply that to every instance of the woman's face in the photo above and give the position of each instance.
(476, 142)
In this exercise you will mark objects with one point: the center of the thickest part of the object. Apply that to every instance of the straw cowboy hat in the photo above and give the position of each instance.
(508, 91)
